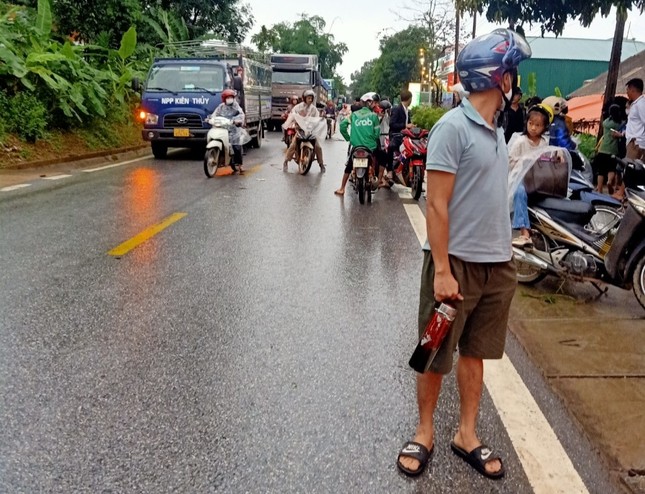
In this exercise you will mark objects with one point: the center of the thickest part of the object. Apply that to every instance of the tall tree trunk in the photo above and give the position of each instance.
(474, 24)
(614, 62)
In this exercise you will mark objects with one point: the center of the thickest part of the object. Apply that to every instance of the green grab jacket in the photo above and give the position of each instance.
(366, 130)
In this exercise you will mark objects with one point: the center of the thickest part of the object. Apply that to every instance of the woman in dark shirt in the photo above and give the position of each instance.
(514, 115)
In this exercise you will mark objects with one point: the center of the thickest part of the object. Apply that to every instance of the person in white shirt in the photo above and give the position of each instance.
(635, 131)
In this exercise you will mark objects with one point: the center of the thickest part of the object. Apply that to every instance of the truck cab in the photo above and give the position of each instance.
(180, 93)
(177, 97)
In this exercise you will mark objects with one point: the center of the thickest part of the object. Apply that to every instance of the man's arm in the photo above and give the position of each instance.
(343, 128)
(440, 187)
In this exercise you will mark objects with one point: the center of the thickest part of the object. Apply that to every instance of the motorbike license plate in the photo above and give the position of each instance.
(360, 162)
(181, 132)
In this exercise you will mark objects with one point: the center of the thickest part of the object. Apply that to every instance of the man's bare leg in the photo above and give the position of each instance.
(470, 380)
(341, 191)
(428, 388)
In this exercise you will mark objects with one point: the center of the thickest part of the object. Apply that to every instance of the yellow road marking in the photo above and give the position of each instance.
(146, 234)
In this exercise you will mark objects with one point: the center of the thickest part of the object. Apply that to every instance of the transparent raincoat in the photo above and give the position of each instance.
(238, 136)
(526, 162)
(316, 126)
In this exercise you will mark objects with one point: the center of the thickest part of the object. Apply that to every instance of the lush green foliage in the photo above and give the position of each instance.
(74, 82)
(399, 61)
(587, 145)
(426, 116)
(23, 115)
(305, 36)
(222, 19)
(362, 80)
(62, 65)
(551, 15)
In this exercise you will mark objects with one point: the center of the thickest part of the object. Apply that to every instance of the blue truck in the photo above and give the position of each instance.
(179, 93)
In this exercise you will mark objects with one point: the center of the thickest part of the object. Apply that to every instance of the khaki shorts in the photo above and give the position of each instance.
(479, 330)
(633, 151)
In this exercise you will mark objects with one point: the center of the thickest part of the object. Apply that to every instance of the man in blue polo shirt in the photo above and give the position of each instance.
(468, 257)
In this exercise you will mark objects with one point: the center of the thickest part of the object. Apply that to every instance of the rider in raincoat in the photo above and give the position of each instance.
(307, 108)
(236, 134)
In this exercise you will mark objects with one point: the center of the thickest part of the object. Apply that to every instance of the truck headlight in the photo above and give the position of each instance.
(151, 119)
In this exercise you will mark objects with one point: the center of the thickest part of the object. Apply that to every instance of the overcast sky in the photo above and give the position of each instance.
(358, 23)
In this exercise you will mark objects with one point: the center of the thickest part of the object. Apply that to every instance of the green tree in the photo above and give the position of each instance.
(399, 61)
(230, 20)
(87, 20)
(362, 80)
(339, 85)
(305, 36)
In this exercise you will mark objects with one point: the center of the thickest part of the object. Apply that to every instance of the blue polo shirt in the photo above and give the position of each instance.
(463, 144)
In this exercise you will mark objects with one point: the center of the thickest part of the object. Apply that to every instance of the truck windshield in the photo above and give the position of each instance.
(303, 78)
(186, 78)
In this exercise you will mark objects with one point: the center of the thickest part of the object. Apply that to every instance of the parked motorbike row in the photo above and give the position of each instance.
(588, 237)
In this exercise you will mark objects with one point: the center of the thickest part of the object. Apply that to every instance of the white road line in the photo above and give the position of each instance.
(56, 177)
(14, 187)
(418, 221)
(91, 170)
(545, 462)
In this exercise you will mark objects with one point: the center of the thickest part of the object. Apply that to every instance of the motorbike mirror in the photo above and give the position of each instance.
(136, 84)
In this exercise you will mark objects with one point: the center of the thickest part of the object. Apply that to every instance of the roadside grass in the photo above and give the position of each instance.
(101, 136)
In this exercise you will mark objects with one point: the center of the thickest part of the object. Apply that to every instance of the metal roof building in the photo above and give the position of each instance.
(568, 62)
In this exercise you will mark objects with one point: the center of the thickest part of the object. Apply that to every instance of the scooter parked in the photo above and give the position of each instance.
(413, 159)
(564, 247)
(218, 148)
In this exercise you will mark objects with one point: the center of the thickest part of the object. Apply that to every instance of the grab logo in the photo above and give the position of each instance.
(364, 123)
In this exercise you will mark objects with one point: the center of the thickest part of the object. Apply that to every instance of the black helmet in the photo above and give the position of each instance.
(385, 105)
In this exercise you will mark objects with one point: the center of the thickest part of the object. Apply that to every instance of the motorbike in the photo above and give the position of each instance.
(564, 246)
(288, 137)
(308, 130)
(413, 159)
(363, 177)
(330, 125)
(218, 148)
(581, 189)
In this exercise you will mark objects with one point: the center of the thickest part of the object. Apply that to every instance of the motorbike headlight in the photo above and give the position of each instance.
(637, 202)
(152, 119)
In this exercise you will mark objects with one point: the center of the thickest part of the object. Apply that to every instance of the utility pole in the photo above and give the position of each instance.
(614, 63)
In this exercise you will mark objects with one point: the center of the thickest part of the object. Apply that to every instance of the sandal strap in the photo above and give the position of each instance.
(415, 450)
(484, 454)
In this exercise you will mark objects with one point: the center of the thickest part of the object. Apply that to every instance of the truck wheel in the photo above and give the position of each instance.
(257, 140)
(159, 151)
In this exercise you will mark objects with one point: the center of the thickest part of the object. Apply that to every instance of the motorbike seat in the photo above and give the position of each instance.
(577, 212)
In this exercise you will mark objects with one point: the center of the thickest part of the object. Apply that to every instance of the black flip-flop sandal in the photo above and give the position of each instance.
(417, 451)
(478, 458)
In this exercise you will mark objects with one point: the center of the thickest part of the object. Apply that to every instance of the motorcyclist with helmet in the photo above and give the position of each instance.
(331, 113)
(231, 109)
(293, 101)
(365, 133)
(306, 108)
(468, 258)
(559, 134)
(372, 101)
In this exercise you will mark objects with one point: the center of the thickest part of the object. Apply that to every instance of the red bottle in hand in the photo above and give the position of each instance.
(432, 337)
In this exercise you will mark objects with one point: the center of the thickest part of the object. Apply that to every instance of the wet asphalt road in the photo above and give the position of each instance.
(259, 344)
